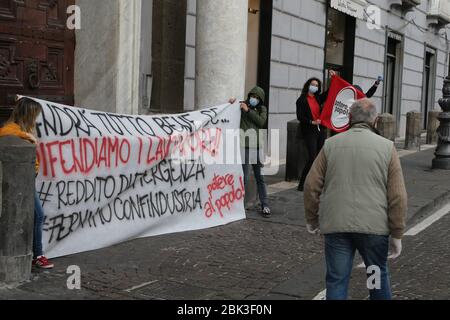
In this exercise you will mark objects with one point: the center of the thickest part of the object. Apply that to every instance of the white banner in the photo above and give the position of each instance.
(106, 178)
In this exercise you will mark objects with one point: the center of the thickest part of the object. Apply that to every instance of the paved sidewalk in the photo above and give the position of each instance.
(421, 272)
(428, 190)
(252, 259)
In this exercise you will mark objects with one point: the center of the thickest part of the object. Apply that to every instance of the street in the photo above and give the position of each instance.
(138, 138)
(423, 271)
(257, 258)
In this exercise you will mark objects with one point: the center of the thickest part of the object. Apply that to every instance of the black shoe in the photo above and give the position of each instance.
(266, 212)
(300, 188)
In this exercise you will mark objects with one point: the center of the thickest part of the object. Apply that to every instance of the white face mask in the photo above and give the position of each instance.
(313, 89)
(254, 102)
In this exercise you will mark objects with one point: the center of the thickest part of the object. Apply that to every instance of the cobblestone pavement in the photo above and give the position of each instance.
(243, 260)
(256, 258)
(422, 271)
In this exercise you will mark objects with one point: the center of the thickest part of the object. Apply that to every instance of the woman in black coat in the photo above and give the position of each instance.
(309, 108)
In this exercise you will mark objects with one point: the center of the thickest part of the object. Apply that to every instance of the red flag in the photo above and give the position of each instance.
(341, 96)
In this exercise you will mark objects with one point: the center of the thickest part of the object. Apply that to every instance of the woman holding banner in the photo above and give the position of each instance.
(253, 121)
(22, 124)
(309, 109)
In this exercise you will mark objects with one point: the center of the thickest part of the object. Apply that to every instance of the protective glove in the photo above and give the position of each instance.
(396, 248)
(379, 80)
(312, 230)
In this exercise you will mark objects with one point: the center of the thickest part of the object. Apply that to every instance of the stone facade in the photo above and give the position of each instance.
(113, 53)
(189, 83)
(370, 49)
(17, 159)
(96, 55)
(298, 48)
(297, 53)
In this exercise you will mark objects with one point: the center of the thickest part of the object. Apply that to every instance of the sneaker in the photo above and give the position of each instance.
(266, 212)
(43, 263)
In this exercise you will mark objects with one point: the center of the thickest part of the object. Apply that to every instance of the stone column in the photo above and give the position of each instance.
(17, 176)
(442, 160)
(413, 129)
(387, 126)
(95, 65)
(128, 57)
(221, 46)
(113, 55)
(297, 154)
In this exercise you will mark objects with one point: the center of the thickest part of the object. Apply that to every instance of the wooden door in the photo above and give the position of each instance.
(36, 51)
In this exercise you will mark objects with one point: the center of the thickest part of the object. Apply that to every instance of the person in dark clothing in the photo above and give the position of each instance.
(253, 119)
(309, 108)
(369, 94)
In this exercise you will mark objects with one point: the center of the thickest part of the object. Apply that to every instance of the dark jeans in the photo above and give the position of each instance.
(340, 250)
(314, 141)
(38, 224)
(261, 185)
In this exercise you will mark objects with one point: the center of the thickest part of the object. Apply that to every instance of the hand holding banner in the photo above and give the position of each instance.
(336, 112)
(107, 178)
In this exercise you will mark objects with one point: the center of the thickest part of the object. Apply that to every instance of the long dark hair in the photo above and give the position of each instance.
(305, 90)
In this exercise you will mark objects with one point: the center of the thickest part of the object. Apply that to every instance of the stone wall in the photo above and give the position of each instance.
(17, 174)
(370, 49)
(96, 54)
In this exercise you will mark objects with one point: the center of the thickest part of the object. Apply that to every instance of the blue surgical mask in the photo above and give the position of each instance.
(313, 89)
(253, 102)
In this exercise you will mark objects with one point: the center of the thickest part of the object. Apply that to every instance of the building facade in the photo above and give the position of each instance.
(406, 43)
(169, 56)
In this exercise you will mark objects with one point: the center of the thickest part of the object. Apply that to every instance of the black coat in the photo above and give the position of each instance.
(304, 114)
(372, 91)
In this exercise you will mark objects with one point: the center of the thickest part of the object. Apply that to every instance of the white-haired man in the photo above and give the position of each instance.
(355, 195)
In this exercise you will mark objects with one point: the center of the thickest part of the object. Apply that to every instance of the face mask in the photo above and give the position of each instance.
(254, 102)
(313, 89)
